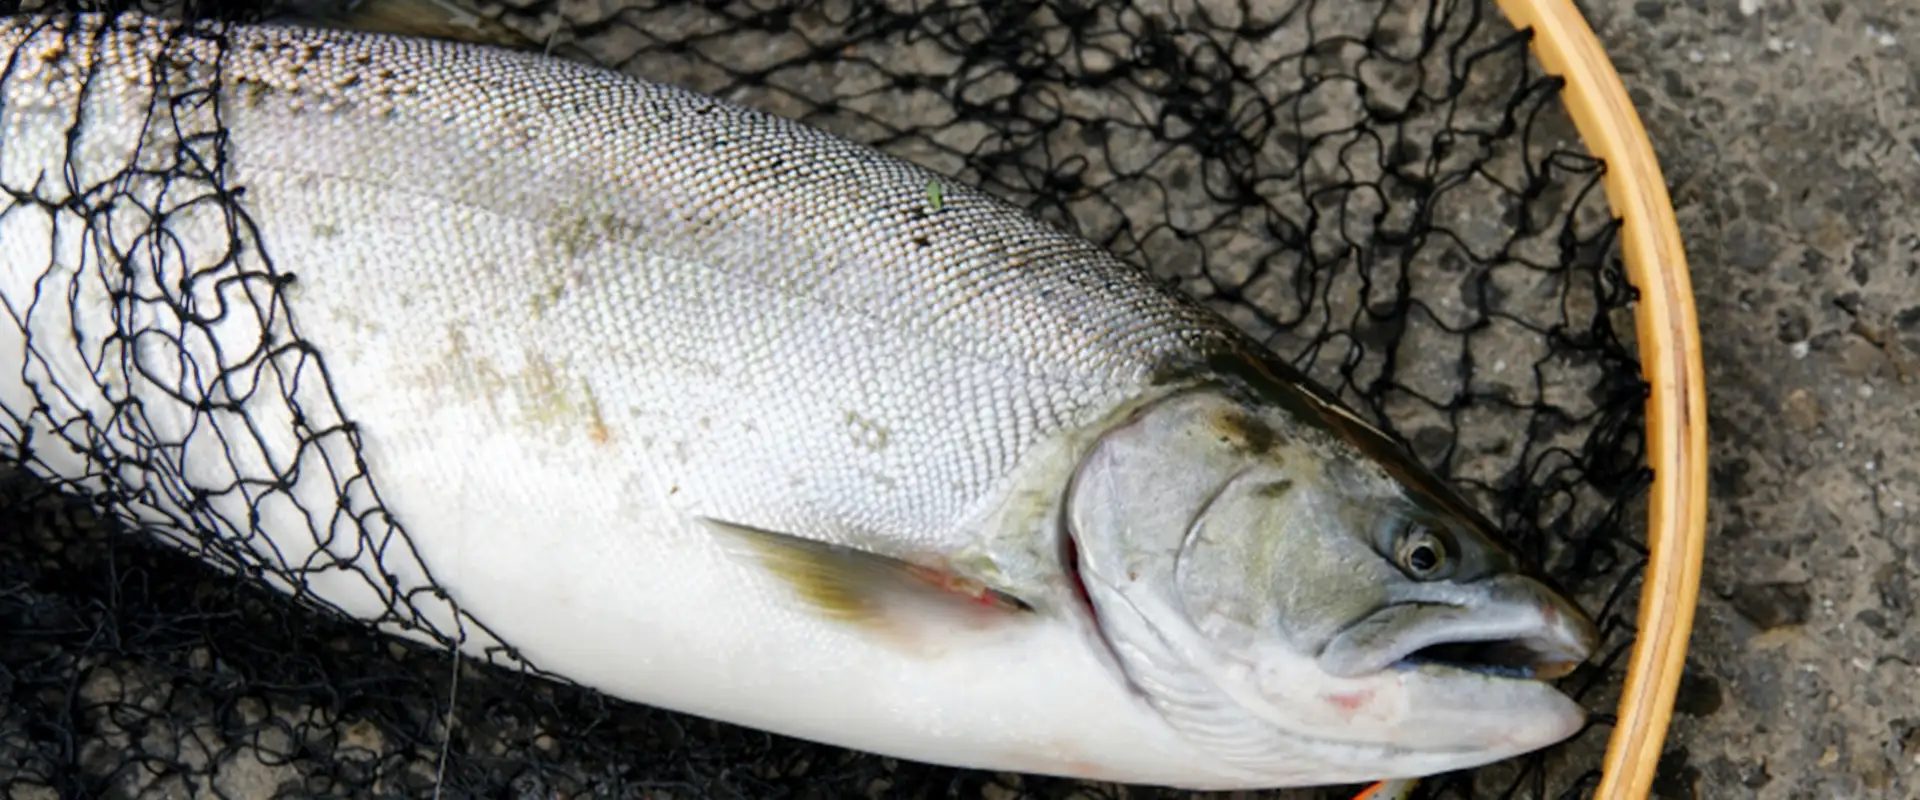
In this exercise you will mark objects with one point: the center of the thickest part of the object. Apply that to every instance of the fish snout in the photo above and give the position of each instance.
(1507, 626)
(1567, 636)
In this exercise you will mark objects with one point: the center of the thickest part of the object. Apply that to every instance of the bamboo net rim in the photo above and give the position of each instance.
(1669, 341)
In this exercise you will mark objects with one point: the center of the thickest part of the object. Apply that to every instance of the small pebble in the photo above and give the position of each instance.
(1772, 605)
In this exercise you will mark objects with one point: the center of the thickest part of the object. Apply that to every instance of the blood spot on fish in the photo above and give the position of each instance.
(1349, 702)
(972, 591)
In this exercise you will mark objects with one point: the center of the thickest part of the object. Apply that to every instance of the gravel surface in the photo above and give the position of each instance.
(1790, 134)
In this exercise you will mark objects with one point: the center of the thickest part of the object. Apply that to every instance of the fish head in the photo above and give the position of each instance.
(1305, 610)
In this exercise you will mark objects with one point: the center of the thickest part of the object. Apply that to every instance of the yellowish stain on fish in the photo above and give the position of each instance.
(597, 429)
(867, 434)
(542, 397)
(545, 301)
(1244, 433)
(574, 230)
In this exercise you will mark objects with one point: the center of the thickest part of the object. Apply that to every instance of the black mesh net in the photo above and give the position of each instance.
(1388, 192)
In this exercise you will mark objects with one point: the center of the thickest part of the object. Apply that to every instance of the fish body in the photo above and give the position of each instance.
(706, 409)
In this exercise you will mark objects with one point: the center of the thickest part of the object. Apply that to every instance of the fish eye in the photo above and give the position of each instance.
(1423, 554)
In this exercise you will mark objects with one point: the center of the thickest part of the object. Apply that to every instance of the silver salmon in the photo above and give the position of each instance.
(706, 409)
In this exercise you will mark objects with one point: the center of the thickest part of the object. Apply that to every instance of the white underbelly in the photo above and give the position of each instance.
(577, 571)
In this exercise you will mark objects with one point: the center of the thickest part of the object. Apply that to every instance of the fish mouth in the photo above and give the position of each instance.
(1509, 627)
(1520, 659)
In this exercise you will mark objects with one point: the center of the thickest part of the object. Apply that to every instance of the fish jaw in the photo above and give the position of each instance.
(1279, 720)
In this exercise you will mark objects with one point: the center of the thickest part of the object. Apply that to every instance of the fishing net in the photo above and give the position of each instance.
(1387, 191)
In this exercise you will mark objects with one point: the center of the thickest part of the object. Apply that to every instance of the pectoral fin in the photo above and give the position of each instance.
(861, 588)
(1389, 790)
